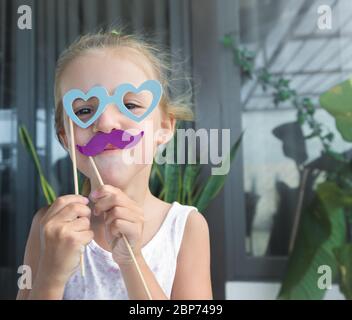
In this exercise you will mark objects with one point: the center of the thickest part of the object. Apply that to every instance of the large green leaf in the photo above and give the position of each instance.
(156, 181)
(189, 179)
(48, 191)
(215, 183)
(172, 174)
(27, 142)
(322, 230)
(172, 182)
(338, 102)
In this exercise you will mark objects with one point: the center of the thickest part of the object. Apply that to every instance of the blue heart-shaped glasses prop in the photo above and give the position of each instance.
(104, 98)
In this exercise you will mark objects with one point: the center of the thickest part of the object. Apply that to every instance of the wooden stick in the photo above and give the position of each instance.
(123, 236)
(75, 180)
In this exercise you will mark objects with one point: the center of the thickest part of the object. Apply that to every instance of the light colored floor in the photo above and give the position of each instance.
(240, 290)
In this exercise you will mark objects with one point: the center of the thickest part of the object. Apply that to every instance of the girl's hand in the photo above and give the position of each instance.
(63, 236)
(122, 216)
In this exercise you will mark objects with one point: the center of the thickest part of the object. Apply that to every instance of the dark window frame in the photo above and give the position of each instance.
(220, 87)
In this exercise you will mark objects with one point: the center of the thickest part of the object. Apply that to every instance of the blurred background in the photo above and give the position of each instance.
(237, 52)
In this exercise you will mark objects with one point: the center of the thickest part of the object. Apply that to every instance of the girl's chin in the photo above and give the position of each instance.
(115, 171)
(116, 176)
(110, 158)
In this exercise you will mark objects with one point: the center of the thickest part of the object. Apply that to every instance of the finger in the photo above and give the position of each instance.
(122, 213)
(106, 190)
(85, 237)
(113, 242)
(118, 227)
(81, 238)
(62, 202)
(110, 201)
(108, 234)
(71, 212)
(80, 224)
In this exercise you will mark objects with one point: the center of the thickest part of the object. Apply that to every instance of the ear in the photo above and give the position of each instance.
(168, 124)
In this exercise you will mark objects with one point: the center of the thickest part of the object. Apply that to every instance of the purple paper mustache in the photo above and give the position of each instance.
(119, 138)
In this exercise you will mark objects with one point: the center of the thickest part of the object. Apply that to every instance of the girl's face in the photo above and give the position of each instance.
(110, 68)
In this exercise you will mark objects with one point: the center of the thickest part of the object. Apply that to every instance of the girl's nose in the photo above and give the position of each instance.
(110, 119)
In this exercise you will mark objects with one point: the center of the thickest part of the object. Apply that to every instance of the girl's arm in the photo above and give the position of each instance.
(192, 279)
(41, 288)
(134, 283)
(32, 251)
(54, 245)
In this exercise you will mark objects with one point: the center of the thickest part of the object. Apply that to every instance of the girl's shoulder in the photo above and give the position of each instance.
(175, 205)
(195, 225)
(190, 211)
(189, 218)
(194, 221)
(193, 254)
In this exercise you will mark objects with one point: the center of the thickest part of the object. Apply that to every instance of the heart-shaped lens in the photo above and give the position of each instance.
(85, 109)
(138, 103)
(148, 94)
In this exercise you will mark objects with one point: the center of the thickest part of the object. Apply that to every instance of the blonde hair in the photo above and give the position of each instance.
(176, 106)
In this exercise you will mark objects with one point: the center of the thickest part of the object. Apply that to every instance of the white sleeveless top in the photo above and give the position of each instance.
(103, 278)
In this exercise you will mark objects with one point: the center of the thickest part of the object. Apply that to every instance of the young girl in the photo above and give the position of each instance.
(170, 241)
